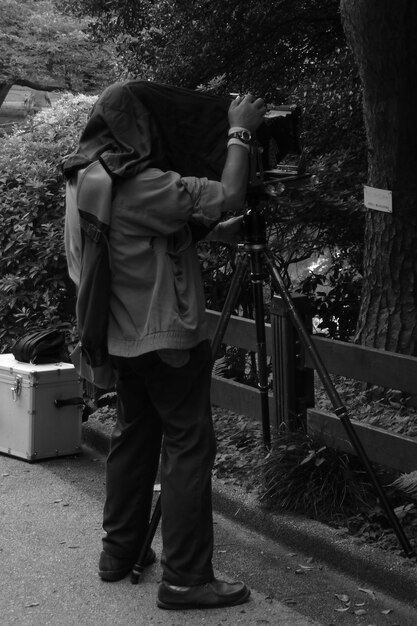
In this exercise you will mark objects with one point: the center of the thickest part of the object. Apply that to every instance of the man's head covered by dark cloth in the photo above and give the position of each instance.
(138, 124)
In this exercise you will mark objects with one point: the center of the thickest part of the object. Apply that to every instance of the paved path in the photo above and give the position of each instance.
(50, 529)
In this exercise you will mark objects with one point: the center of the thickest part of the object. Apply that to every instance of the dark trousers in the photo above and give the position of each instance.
(159, 403)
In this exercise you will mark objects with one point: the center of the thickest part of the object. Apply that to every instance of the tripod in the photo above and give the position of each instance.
(254, 252)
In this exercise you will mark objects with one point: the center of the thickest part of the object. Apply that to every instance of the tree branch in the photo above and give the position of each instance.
(22, 82)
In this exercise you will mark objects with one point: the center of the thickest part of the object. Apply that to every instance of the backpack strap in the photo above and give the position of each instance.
(94, 198)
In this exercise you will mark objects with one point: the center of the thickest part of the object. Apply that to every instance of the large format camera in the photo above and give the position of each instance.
(276, 154)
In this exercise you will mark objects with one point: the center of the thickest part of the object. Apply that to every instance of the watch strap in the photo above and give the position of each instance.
(238, 142)
(242, 135)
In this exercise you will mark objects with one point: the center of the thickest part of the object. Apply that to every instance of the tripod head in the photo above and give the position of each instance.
(254, 228)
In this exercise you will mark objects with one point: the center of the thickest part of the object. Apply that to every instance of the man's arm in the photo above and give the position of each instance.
(160, 203)
(247, 113)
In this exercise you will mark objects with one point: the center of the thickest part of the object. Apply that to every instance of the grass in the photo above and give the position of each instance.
(302, 476)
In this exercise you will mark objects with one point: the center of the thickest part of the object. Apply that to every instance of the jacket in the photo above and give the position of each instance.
(154, 287)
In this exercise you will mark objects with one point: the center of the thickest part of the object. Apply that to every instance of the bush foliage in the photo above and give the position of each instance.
(35, 289)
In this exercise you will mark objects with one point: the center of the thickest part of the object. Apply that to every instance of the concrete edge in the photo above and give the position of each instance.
(391, 574)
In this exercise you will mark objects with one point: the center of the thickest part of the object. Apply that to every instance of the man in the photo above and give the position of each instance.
(158, 346)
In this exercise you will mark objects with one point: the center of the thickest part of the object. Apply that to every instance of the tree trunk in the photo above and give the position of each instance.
(383, 37)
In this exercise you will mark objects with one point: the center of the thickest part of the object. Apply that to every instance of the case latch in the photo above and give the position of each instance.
(17, 388)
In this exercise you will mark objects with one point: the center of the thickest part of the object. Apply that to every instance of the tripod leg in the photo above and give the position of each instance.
(257, 279)
(230, 302)
(153, 525)
(339, 409)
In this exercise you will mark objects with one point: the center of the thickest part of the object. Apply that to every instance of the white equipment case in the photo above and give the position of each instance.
(40, 409)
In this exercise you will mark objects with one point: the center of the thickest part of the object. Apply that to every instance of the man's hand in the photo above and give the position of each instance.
(229, 231)
(247, 112)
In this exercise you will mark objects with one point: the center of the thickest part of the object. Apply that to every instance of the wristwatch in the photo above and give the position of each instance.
(243, 135)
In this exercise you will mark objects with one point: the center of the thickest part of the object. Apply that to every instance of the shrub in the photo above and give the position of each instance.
(35, 289)
(302, 476)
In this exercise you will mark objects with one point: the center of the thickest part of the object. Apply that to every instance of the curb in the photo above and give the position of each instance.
(391, 574)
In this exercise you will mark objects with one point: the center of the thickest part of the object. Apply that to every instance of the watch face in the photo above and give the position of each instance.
(243, 135)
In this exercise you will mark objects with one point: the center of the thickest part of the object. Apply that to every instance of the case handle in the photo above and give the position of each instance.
(68, 402)
(17, 388)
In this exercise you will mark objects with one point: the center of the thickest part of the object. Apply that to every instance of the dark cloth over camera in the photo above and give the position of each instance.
(138, 124)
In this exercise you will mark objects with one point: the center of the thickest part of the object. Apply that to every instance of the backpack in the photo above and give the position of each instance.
(90, 357)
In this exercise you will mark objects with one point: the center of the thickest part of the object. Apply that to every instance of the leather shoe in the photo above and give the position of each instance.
(216, 593)
(112, 569)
